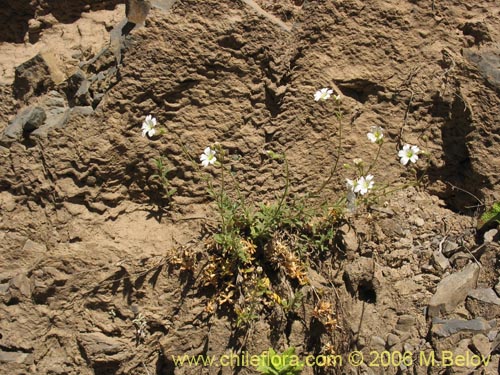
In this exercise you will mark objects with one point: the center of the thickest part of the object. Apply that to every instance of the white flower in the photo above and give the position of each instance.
(148, 126)
(408, 153)
(364, 184)
(376, 134)
(323, 94)
(357, 161)
(208, 157)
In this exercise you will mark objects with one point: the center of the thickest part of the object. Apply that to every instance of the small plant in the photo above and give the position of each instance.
(162, 171)
(254, 243)
(140, 324)
(287, 363)
(490, 216)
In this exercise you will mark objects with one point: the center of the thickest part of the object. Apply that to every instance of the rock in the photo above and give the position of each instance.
(349, 238)
(377, 342)
(440, 260)
(16, 357)
(487, 295)
(31, 246)
(497, 287)
(82, 111)
(495, 344)
(20, 287)
(483, 302)
(57, 112)
(392, 340)
(27, 121)
(418, 221)
(37, 75)
(446, 328)
(489, 236)
(478, 30)
(297, 332)
(100, 349)
(487, 62)
(482, 344)
(453, 290)
(449, 248)
(405, 323)
(359, 274)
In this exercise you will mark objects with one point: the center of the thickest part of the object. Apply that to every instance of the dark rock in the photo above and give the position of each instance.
(36, 76)
(478, 30)
(453, 290)
(72, 85)
(449, 248)
(57, 114)
(446, 328)
(27, 121)
(487, 62)
(33, 119)
(82, 96)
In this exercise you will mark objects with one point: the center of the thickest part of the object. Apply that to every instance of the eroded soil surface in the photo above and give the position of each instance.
(88, 243)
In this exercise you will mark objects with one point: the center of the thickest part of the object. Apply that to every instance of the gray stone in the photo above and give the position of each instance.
(57, 114)
(487, 62)
(489, 236)
(446, 328)
(392, 340)
(440, 260)
(487, 295)
(453, 290)
(449, 248)
(28, 120)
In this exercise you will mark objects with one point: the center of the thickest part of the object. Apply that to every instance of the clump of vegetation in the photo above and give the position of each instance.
(279, 240)
(490, 216)
(287, 363)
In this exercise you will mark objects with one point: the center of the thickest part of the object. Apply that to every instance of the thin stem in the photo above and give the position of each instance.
(222, 191)
(339, 152)
(285, 192)
(376, 158)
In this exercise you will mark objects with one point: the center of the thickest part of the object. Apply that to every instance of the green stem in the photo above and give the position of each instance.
(376, 158)
(285, 192)
(222, 192)
(339, 153)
